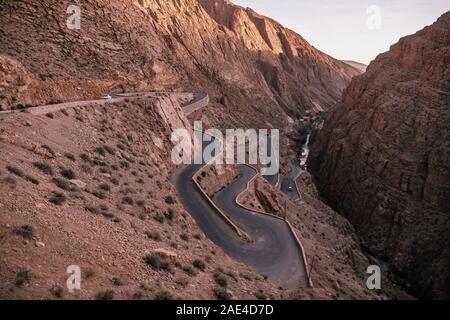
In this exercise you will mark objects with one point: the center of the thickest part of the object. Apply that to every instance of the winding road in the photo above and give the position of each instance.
(273, 250)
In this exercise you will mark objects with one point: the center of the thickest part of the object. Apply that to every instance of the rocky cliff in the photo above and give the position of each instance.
(252, 67)
(383, 158)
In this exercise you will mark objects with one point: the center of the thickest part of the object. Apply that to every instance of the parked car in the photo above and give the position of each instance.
(107, 97)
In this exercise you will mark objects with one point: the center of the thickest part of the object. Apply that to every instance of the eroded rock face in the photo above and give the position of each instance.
(383, 157)
(260, 69)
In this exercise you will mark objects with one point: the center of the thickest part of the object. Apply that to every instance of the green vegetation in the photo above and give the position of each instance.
(169, 200)
(92, 210)
(220, 279)
(99, 194)
(18, 172)
(68, 174)
(64, 184)
(199, 264)
(45, 168)
(155, 236)
(117, 282)
(182, 282)
(128, 200)
(159, 218)
(70, 156)
(57, 291)
(105, 187)
(158, 262)
(105, 295)
(22, 278)
(260, 295)
(221, 294)
(50, 150)
(26, 231)
(163, 295)
(57, 198)
(184, 237)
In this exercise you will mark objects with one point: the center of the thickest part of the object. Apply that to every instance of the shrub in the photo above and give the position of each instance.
(138, 295)
(124, 164)
(92, 210)
(169, 200)
(117, 282)
(128, 200)
(57, 198)
(64, 184)
(70, 156)
(25, 231)
(18, 172)
(105, 187)
(22, 278)
(182, 282)
(64, 112)
(14, 170)
(9, 180)
(50, 150)
(56, 291)
(86, 168)
(31, 179)
(55, 101)
(45, 168)
(198, 236)
(189, 271)
(199, 264)
(155, 236)
(220, 279)
(260, 295)
(159, 218)
(85, 158)
(99, 194)
(68, 174)
(50, 115)
(184, 237)
(221, 294)
(100, 151)
(140, 203)
(89, 273)
(109, 149)
(170, 214)
(163, 295)
(158, 262)
(105, 295)
(114, 181)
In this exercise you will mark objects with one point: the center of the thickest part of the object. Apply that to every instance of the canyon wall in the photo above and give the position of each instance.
(383, 158)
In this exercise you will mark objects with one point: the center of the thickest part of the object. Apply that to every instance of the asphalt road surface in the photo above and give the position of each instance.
(273, 250)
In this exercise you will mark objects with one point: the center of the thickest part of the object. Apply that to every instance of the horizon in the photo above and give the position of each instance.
(373, 25)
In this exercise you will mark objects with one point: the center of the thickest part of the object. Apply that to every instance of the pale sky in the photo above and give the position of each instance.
(340, 27)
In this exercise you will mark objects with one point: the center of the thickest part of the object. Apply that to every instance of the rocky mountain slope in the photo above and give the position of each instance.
(250, 65)
(358, 65)
(383, 158)
(91, 187)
